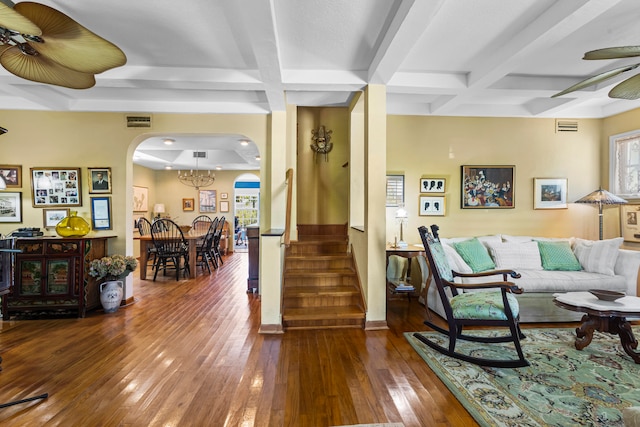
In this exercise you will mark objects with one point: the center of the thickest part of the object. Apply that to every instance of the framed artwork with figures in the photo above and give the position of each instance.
(432, 185)
(488, 187)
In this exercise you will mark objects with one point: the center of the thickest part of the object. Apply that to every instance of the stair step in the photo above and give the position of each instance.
(322, 313)
(320, 291)
(337, 272)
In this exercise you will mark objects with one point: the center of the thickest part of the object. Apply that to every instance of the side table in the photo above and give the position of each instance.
(603, 316)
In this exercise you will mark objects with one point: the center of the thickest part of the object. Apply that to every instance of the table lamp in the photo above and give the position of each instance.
(601, 197)
(158, 208)
(401, 217)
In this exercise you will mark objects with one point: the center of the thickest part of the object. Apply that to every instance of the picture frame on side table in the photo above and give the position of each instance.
(432, 205)
(10, 207)
(487, 187)
(550, 193)
(51, 217)
(208, 201)
(101, 213)
(12, 175)
(56, 187)
(188, 205)
(140, 199)
(432, 185)
(100, 180)
(630, 222)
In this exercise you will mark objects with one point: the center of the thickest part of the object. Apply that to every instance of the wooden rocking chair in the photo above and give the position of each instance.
(486, 308)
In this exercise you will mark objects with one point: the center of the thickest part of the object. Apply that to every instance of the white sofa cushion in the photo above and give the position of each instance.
(516, 255)
(598, 256)
(560, 281)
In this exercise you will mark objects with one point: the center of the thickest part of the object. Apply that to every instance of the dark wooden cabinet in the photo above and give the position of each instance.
(51, 274)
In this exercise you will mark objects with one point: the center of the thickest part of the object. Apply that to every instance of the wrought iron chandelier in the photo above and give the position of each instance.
(197, 178)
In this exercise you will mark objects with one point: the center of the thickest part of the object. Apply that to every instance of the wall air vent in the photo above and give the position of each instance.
(566, 126)
(138, 121)
(199, 154)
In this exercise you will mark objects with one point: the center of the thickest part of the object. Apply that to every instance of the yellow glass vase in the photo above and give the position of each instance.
(73, 226)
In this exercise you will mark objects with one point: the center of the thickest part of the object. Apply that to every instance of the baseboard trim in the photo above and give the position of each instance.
(271, 329)
(375, 325)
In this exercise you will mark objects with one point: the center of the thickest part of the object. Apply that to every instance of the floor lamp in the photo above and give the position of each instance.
(600, 198)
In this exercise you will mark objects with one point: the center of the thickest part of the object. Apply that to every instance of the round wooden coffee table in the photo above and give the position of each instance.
(603, 316)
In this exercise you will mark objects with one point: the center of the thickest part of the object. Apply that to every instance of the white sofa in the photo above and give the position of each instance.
(602, 264)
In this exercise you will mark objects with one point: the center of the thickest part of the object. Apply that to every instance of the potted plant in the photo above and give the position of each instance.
(112, 270)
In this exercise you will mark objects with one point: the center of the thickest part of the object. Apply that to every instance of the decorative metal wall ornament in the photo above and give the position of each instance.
(321, 142)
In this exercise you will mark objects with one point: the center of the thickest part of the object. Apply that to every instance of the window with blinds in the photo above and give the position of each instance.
(625, 164)
(395, 190)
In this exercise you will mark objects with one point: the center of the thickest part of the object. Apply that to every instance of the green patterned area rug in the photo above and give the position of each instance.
(562, 387)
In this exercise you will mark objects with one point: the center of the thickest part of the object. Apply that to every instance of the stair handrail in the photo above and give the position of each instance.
(287, 228)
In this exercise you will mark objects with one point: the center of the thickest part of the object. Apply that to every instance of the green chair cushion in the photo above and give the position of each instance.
(483, 305)
(475, 255)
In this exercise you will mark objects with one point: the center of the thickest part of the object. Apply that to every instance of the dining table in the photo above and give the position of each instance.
(193, 238)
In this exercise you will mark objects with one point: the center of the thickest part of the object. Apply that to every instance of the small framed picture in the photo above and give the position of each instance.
(56, 187)
(100, 180)
(101, 213)
(630, 222)
(432, 185)
(488, 187)
(224, 196)
(140, 199)
(432, 205)
(208, 201)
(12, 175)
(10, 206)
(188, 204)
(224, 206)
(51, 217)
(549, 193)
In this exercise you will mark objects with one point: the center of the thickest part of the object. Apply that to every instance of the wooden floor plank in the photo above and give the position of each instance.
(189, 353)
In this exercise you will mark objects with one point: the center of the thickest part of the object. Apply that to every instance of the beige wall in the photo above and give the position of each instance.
(63, 139)
(324, 186)
(438, 146)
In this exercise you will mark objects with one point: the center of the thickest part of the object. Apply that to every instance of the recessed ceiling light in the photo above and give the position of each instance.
(169, 141)
(244, 142)
(218, 168)
(168, 167)
(257, 157)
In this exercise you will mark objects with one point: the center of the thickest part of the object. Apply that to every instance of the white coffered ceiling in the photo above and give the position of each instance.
(500, 58)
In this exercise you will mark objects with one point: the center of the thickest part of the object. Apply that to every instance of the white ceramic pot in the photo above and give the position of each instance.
(111, 295)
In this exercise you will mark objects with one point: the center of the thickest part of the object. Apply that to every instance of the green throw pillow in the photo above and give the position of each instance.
(558, 256)
(475, 255)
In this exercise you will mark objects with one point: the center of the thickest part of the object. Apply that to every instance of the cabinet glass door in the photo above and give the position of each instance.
(30, 277)
(58, 276)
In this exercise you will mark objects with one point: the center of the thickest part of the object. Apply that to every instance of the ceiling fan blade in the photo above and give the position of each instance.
(12, 20)
(628, 89)
(69, 43)
(596, 79)
(39, 68)
(613, 52)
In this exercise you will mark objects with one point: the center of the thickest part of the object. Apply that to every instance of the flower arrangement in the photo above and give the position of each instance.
(114, 267)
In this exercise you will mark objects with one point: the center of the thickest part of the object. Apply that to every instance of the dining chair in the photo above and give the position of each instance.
(203, 252)
(217, 254)
(171, 246)
(201, 223)
(144, 228)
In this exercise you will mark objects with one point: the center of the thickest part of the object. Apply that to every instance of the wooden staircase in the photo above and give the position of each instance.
(321, 286)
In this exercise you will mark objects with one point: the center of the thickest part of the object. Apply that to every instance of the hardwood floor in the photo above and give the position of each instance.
(188, 354)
